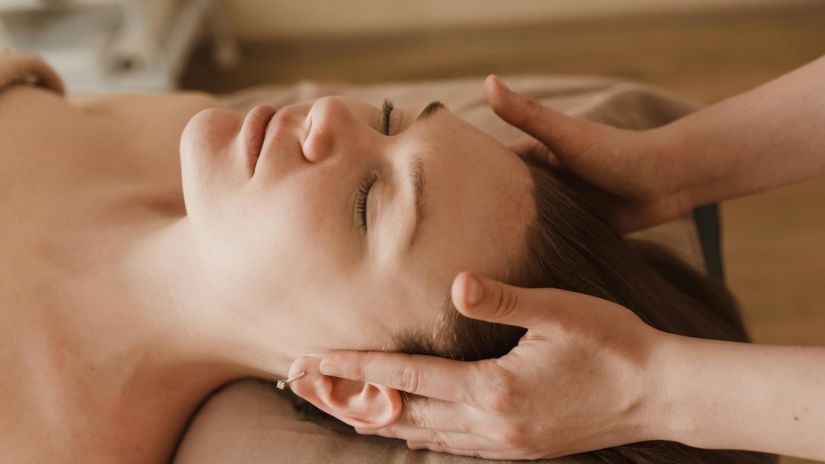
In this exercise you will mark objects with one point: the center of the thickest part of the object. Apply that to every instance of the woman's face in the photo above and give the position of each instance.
(337, 235)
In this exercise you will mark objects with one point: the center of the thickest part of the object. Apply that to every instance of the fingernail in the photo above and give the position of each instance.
(327, 368)
(501, 83)
(473, 291)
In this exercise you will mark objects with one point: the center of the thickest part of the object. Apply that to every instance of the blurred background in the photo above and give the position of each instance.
(773, 243)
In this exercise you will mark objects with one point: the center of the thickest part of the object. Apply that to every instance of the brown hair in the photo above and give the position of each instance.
(572, 247)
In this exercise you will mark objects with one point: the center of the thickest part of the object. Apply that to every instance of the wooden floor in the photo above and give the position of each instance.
(774, 243)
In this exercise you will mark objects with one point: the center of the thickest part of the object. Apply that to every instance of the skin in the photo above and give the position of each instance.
(688, 390)
(161, 290)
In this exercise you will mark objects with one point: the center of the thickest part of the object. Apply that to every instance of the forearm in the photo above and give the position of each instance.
(743, 396)
(770, 136)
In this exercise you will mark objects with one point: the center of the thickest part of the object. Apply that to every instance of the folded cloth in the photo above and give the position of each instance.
(251, 422)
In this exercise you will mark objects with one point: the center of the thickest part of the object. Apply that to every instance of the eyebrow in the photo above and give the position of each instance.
(416, 172)
(431, 108)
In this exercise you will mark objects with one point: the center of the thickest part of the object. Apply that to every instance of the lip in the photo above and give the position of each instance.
(254, 130)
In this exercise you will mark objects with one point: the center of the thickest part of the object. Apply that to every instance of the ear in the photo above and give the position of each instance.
(356, 403)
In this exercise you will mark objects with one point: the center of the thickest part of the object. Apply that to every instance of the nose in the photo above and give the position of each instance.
(332, 130)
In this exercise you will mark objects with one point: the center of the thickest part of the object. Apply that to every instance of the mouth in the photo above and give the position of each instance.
(254, 130)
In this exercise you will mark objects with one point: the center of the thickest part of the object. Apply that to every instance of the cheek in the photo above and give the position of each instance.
(360, 310)
(309, 206)
(315, 204)
(296, 230)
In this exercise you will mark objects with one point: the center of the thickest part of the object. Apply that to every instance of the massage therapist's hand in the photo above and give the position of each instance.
(636, 168)
(580, 379)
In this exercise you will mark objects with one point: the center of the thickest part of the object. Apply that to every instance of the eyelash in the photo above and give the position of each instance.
(363, 196)
(368, 182)
(385, 116)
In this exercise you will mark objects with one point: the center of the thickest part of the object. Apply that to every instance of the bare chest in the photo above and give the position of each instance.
(72, 182)
(73, 174)
(64, 160)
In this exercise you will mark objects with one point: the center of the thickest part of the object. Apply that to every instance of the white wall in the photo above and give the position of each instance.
(262, 19)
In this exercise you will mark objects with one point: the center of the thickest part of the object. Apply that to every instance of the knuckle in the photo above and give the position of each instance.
(510, 437)
(506, 302)
(502, 395)
(414, 445)
(496, 401)
(493, 390)
(408, 379)
(439, 440)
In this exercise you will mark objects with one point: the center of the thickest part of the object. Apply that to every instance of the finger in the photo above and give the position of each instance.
(564, 135)
(445, 439)
(443, 416)
(429, 376)
(442, 449)
(419, 435)
(480, 298)
(449, 439)
(497, 454)
(532, 150)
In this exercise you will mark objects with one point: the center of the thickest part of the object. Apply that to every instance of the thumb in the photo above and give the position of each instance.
(488, 300)
(563, 135)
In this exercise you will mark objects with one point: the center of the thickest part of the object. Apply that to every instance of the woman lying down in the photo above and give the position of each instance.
(158, 247)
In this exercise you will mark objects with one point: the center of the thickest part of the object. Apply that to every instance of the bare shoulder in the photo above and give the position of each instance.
(177, 102)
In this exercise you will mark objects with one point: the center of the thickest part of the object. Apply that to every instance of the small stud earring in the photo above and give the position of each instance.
(283, 383)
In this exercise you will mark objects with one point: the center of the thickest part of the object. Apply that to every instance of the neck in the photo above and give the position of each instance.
(185, 322)
(170, 343)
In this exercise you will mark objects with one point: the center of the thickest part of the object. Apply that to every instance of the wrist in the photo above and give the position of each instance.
(665, 412)
(675, 177)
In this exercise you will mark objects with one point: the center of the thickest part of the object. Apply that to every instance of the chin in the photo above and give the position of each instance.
(210, 130)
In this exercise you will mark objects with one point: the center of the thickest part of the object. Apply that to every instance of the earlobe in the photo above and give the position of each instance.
(355, 403)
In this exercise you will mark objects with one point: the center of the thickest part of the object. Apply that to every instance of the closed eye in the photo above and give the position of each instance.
(386, 112)
(363, 199)
(362, 202)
